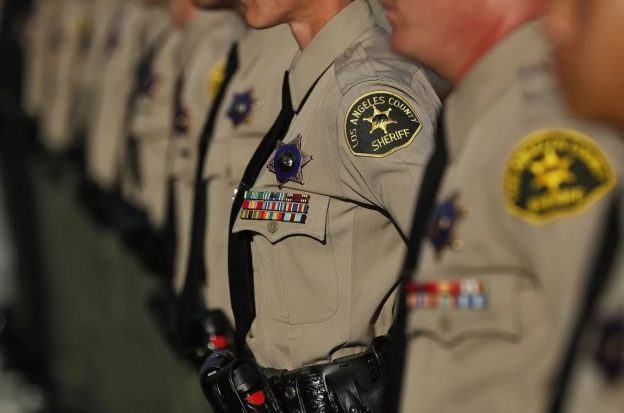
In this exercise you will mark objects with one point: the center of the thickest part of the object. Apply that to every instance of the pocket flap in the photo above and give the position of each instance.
(279, 214)
(183, 160)
(217, 163)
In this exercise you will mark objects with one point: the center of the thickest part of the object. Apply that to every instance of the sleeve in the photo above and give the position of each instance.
(385, 139)
(559, 188)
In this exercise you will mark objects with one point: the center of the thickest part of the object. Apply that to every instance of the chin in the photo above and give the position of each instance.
(258, 21)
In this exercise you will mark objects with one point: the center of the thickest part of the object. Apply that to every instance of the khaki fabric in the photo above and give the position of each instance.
(126, 39)
(263, 57)
(206, 44)
(325, 288)
(590, 391)
(503, 356)
(92, 55)
(36, 41)
(379, 13)
(62, 50)
(151, 125)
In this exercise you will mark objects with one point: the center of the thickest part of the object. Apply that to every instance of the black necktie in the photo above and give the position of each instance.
(239, 251)
(424, 208)
(169, 229)
(190, 296)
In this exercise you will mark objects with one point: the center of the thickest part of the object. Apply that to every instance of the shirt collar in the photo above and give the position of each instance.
(489, 78)
(255, 43)
(328, 44)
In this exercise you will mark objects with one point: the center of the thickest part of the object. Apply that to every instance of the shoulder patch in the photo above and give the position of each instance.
(555, 173)
(380, 123)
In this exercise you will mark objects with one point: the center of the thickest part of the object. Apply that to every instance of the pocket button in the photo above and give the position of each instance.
(273, 227)
(445, 323)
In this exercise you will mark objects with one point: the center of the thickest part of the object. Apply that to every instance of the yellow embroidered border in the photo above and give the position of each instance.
(555, 173)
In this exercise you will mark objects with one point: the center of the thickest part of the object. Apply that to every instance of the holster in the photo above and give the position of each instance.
(236, 386)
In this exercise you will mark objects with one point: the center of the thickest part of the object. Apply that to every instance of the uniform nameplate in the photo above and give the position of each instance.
(555, 173)
(379, 124)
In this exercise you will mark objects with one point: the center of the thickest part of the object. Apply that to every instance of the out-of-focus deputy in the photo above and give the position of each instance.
(522, 213)
(206, 42)
(150, 125)
(128, 41)
(36, 41)
(255, 62)
(250, 106)
(589, 56)
(589, 47)
(68, 39)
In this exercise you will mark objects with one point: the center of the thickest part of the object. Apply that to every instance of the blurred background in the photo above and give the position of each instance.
(75, 334)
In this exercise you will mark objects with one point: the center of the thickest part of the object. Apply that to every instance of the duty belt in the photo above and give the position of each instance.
(349, 385)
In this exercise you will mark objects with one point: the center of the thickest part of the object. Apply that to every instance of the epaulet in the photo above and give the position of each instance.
(540, 97)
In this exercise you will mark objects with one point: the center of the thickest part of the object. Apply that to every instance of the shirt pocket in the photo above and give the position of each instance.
(476, 308)
(294, 267)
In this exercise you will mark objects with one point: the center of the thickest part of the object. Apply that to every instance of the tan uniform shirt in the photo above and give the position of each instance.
(88, 73)
(379, 13)
(519, 213)
(206, 43)
(36, 41)
(125, 40)
(70, 35)
(326, 256)
(250, 106)
(591, 389)
(151, 125)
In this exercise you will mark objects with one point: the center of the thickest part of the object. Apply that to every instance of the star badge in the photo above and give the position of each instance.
(288, 162)
(380, 120)
(552, 171)
(445, 217)
(241, 107)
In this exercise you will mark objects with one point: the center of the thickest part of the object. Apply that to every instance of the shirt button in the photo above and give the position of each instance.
(273, 227)
(445, 323)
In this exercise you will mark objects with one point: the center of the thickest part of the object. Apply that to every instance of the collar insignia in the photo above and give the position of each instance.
(241, 107)
(288, 162)
(443, 225)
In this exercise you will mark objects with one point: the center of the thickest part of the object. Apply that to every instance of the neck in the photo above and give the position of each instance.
(468, 55)
(184, 15)
(309, 21)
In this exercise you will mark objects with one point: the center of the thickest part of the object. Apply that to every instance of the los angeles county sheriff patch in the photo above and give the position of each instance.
(380, 123)
(555, 173)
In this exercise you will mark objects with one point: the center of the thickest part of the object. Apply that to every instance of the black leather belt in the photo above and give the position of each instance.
(349, 385)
